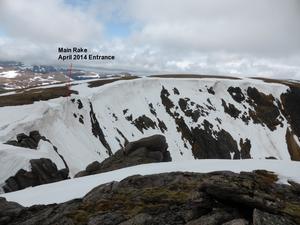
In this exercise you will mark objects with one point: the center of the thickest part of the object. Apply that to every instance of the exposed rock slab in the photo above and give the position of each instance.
(172, 198)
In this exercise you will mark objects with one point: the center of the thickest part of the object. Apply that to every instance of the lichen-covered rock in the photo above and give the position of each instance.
(237, 222)
(172, 198)
(264, 218)
(216, 217)
(8, 210)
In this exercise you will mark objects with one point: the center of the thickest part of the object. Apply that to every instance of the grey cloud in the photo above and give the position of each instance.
(264, 27)
(232, 37)
(48, 21)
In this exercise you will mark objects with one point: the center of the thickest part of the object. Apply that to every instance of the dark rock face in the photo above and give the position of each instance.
(266, 112)
(97, 131)
(146, 150)
(215, 198)
(236, 93)
(292, 145)
(206, 143)
(31, 141)
(43, 171)
(231, 109)
(206, 146)
(143, 123)
(245, 148)
(291, 110)
(291, 106)
(8, 210)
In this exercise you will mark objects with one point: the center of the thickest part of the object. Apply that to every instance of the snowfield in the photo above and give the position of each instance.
(9, 74)
(76, 188)
(119, 108)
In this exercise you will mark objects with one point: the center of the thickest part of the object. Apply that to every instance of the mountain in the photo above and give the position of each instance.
(16, 75)
(181, 198)
(165, 149)
(200, 117)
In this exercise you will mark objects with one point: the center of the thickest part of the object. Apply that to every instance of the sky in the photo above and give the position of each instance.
(228, 37)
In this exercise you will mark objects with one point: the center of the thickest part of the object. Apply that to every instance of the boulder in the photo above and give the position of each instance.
(8, 210)
(146, 150)
(152, 143)
(35, 135)
(140, 219)
(27, 141)
(107, 219)
(265, 218)
(171, 198)
(237, 222)
(21, 136)
(43, 171)
(216, 217)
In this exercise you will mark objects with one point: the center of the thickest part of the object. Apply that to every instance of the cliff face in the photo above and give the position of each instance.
(201, 118)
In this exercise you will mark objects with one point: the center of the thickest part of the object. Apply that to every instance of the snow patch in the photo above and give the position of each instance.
(56, 192)
(9, 74)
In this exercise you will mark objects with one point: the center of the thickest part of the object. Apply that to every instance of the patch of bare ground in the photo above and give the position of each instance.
(289, 83)
(32, 95)
(98, 83)
(194, 76)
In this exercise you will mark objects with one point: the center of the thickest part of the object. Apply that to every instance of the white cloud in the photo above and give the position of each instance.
(257, 37)
(47, 21)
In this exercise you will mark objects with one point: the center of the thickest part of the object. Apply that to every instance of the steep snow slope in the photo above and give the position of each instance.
(56, 192)
(136, 99)
(200, 118)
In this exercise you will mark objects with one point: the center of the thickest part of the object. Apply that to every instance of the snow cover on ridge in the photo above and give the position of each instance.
(9, 74)
(58, 121)
(56, 192)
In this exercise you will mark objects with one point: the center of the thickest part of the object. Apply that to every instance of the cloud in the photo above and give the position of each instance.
(48, 21)
(264, 27)
(35, 29)
(258, 37)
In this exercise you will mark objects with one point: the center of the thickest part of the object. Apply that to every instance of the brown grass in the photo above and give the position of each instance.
(32, 95)
(193, 76)
(98, 83)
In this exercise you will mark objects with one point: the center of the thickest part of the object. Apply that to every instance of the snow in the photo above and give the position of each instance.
(9, 74)
(55, 120)
(131, 95)
(56, 192)
(14, 158)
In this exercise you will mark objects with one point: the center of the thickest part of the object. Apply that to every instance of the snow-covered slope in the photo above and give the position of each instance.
(200, 118)
(56, 192)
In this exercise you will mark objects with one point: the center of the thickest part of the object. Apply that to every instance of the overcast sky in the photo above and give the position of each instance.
(228, 37)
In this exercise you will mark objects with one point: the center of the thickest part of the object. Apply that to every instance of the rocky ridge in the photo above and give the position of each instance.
(215, 198)
(146, 150)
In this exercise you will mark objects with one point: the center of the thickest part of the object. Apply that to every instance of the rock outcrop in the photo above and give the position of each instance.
(27, 141)
(224, 198)
(8, 210)
(146, 150)
(43, 171)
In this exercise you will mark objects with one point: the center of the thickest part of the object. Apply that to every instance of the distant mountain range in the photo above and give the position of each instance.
(16, 75)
